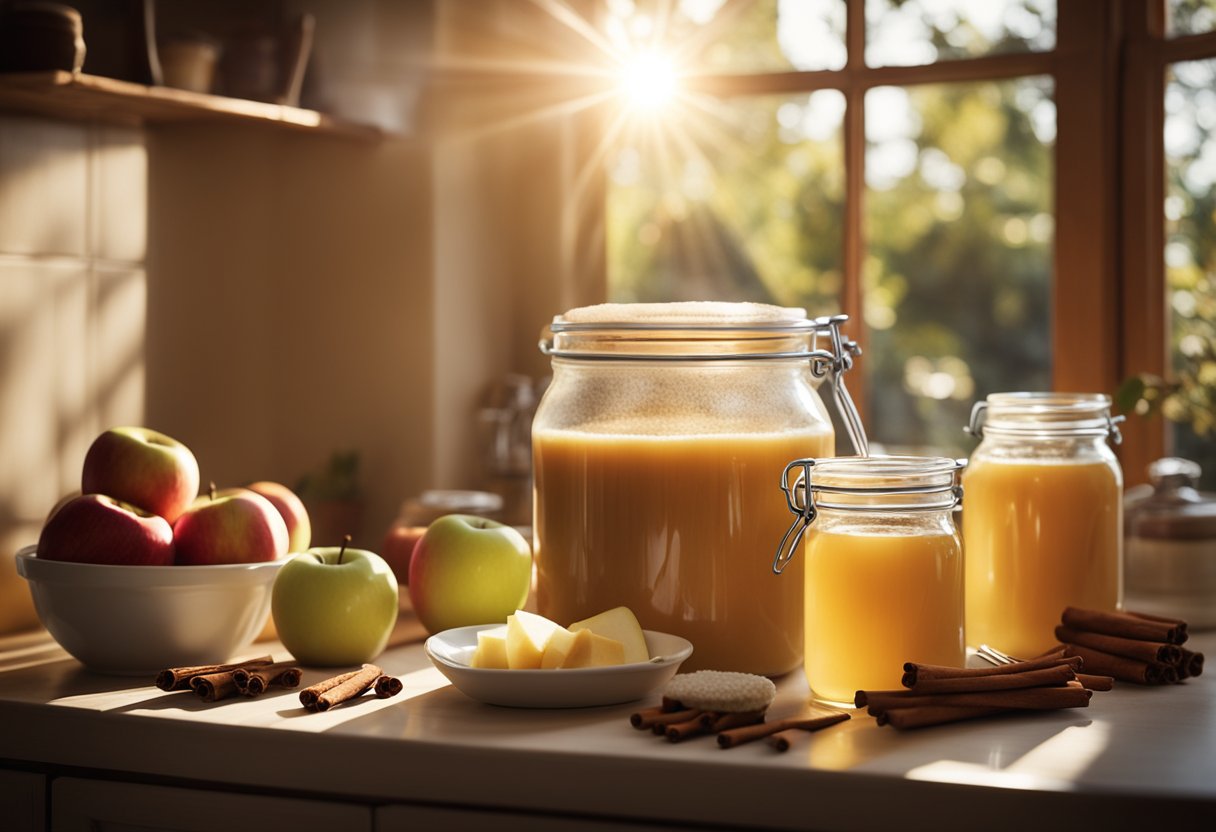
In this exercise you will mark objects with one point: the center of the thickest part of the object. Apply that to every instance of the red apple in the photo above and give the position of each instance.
(94, 528)
(236, 526)
(144, 468)
(398, 548)
(291, 508)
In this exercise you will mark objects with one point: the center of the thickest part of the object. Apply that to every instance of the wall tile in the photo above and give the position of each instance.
(44, 174)
(44, 403)
(116, 366)
(118, 207)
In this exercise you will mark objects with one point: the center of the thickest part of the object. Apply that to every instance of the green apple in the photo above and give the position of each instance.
(469, 570)
(232, 526)
(144, 468)
(334, 606)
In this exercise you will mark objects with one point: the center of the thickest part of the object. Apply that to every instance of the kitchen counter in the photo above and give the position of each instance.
(1135, 756)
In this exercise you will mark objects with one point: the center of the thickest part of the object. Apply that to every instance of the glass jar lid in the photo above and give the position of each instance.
(1047, 415)
(1175, 510)
(877, 484)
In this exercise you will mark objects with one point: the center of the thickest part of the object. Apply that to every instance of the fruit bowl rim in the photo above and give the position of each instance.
(33, 568)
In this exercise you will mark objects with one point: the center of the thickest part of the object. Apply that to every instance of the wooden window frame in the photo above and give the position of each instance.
(1109, 315)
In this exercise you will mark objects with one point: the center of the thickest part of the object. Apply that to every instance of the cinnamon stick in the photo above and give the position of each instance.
(782, 740)
(904, 718)
(748, 733)
(1126, 625)
(253, 681)
(1053, 675)
(1123, 668)
(736, 720)
(1038, 699)
(702, 723)
(1144, 651)
(1092, 682)
(1189, 663)
(351, 688)
(650, 719)
(310, 694)
(387, 686)
(212, 687)
(178, 678)
(915, 672)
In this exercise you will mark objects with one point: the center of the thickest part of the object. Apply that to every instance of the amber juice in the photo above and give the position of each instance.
(878, 598)
(1040, 535)
(681, 529)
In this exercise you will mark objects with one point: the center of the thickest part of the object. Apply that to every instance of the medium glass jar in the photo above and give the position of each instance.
(1043, 524)
(656, 450)
(883, 568)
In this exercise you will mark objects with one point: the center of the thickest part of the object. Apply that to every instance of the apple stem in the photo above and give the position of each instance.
(211, 489)
(342, 551)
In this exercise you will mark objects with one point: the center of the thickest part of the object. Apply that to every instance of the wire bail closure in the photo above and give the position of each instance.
(799, 497)
(979, 416)
(836, 363)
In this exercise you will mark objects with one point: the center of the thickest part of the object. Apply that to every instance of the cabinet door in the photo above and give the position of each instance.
(22, 801)
(414, 818)
(106, 806)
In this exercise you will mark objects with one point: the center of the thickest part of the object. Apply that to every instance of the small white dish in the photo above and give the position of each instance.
(452, 650)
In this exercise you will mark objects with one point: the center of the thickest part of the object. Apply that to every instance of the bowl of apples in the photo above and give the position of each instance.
(139, 573)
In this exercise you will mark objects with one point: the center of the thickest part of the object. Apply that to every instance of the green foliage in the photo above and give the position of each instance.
(337, 480)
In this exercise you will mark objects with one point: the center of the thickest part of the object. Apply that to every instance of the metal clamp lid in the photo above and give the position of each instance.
(979, 418)
(799, 495)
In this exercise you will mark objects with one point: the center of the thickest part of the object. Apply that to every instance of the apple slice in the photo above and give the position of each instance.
(558, 648)
(527, 636)
(589, 649)
(491, 649)
(622, 625)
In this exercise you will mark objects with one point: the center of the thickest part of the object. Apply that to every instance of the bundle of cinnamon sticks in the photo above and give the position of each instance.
(213, 682)
(934, 695)
(1132, 647)
(676, 722)
(346, 687)
(253, 677)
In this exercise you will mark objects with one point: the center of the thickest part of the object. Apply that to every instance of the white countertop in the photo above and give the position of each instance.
(1134, 755)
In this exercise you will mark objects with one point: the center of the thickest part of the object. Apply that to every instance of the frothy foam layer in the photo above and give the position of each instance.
(685, 312)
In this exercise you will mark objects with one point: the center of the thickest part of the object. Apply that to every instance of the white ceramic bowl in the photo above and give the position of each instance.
(142, 619)
(452, 650)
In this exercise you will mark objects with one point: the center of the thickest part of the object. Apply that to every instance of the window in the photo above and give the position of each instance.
(978, 185)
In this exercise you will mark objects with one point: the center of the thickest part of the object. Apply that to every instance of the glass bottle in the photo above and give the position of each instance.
(883, 568)
(656, 450)
(1043, 524)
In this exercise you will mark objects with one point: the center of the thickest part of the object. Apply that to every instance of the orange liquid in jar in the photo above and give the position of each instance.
(682, 530)
(875, 601)
(1039, 536)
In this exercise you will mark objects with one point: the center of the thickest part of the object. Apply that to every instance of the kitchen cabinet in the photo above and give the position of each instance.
(120, 752)
(82, 805)
(22, 801)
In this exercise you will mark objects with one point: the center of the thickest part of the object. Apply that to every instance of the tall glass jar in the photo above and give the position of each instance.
(656, 449)
(1043, 524)
(883, 568)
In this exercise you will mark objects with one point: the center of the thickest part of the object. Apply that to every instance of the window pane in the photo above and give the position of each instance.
(741, 200)
(1190, 259)
(1190, 17)
(722, 36)
(911, 32)
(956, 279)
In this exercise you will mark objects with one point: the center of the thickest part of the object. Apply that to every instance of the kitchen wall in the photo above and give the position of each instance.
(271, 297)
(73, 291)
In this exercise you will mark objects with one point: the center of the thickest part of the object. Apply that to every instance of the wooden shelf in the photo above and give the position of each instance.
(93, 98)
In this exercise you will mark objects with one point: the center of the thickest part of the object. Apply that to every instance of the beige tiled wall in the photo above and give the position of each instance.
(73, 219)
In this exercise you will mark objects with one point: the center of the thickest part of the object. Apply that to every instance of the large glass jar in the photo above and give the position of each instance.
(883, 568)
(1043, 523)
(657, 450)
